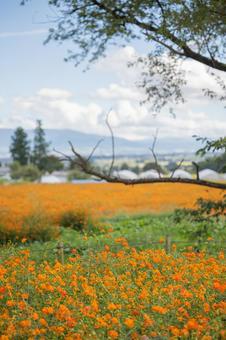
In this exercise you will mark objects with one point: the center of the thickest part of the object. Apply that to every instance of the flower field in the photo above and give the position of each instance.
(106, 287)
(18, 201)
(127, 294)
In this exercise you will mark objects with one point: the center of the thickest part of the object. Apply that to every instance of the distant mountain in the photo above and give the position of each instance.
(84, 142)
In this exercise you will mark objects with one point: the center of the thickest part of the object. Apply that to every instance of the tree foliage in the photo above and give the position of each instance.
(174, 30)
(40, 149)
(28, 172)
(20, 147)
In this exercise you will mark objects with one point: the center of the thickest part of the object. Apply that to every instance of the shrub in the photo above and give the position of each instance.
(28, 172)
(77, 220)
(82, 221)
(202, 221)
(35, 227)
(38, 227)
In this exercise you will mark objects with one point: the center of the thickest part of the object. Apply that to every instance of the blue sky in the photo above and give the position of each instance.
(37, 84)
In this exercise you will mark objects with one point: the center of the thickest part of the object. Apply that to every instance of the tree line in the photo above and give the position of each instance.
(31, 161)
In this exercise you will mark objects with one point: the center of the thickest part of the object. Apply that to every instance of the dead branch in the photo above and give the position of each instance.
(94, 149)
(85, 166)
(152, 149)
(176, 168)
(196, 170)
(112, 142)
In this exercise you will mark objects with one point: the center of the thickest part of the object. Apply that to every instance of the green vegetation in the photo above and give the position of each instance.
(29, 172)
(40, 149)
(28, 165)
(141, 232)
(20, 147)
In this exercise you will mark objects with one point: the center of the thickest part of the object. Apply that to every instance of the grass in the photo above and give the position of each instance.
(141, 231)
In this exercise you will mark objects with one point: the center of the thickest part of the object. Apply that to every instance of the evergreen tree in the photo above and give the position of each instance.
(40, 150)
(20, 147)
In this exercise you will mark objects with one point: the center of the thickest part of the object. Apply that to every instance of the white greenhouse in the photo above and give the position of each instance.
(51, 179)
(209, 175)
(149, 174)
(125, 174)
(181, 174)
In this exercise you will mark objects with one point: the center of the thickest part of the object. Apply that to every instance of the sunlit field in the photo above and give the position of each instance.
(113, 277)
(17, 201)
(124, 295)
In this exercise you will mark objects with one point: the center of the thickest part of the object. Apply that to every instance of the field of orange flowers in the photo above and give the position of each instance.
(18, 201)
(129, 294)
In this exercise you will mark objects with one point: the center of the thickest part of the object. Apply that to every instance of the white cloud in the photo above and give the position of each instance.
(22, 33)
(58, 108)
(118, 92)
(60, 111)
(54, 93)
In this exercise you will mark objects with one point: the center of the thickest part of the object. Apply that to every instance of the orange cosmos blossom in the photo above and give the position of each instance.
(129, 322)
(25, 323)
(113, 334)
(159, 309)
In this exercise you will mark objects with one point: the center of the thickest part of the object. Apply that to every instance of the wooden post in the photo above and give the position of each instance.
(60, 252)
(168, 244)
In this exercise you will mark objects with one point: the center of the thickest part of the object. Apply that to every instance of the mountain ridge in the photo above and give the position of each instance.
(84, 143)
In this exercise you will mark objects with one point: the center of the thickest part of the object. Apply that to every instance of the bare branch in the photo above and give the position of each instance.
(152, 149)
(196, 170)
(176, 168)
(112, 142)
(94, 149)
(85, 166)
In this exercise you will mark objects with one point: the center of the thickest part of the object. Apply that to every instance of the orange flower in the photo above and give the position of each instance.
(112, 306)
(159, 309)
(47, 310)
(219, 286)
(113, 334)
(129, 322)
(43, 322)
(192, 324)
(35, 316)
(25, 323)
(206, 307)
(174, 330)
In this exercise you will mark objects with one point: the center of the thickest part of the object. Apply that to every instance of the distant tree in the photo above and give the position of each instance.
(136, 169)
(217, 163)
(52, 163)
(20, 147)
(124, 166)
(77, 174)
(171, 166)
(152, 166)
(40, 149)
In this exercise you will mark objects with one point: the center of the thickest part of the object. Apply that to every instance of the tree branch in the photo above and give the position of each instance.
(152, 149)
(176, 168)
(112, 142)
(90, 170)
(196, 170)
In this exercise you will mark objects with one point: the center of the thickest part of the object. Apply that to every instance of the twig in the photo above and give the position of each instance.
(94, 149)
(85, 166)
(112, 142)
(196, 170)
(176, 168)
(152, 149)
